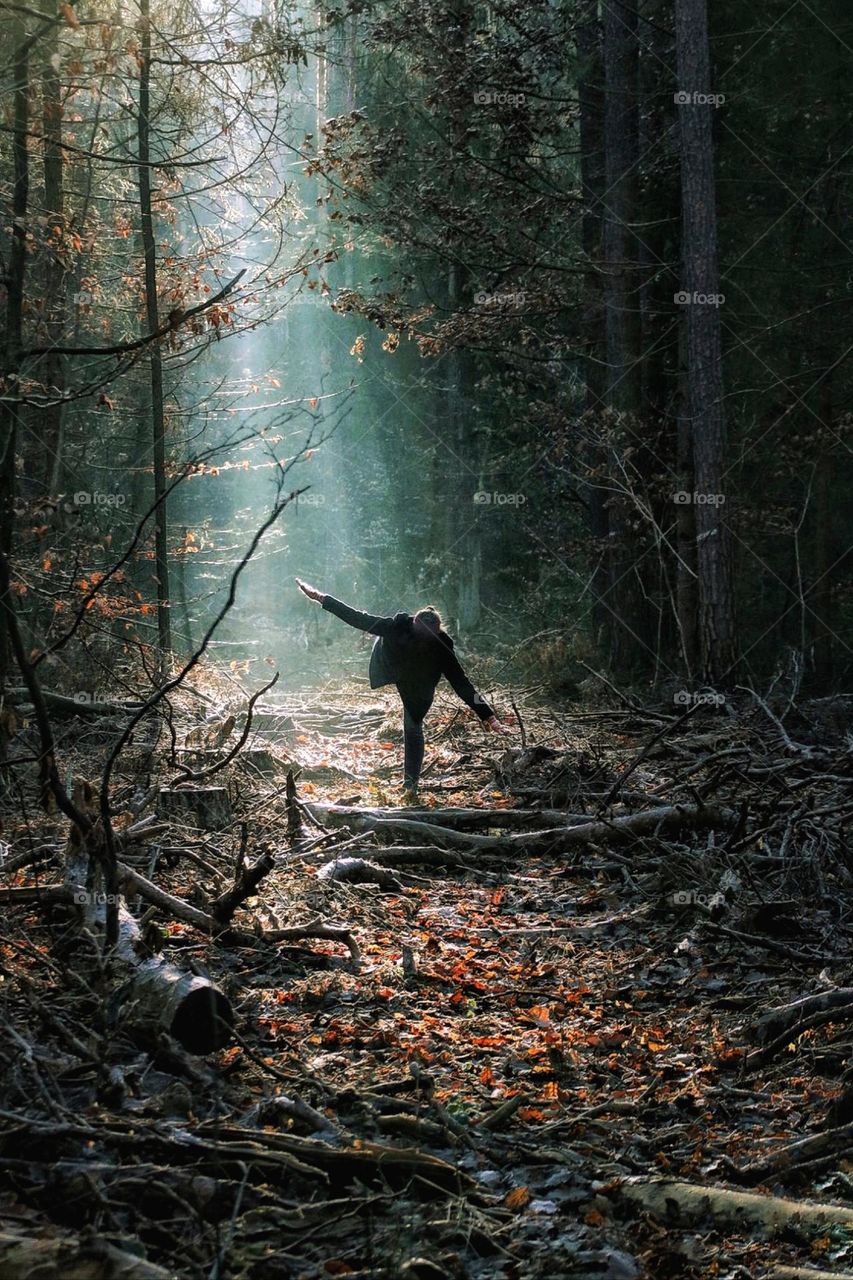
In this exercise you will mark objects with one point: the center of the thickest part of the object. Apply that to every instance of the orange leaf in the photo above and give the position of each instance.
(518, 1198)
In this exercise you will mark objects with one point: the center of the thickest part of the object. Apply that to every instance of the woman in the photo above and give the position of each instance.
(413, 653)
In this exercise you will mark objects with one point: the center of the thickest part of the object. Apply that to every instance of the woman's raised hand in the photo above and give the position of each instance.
(311, 592)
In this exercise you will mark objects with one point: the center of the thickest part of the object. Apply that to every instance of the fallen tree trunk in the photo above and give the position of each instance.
(23, 1257)
(61, 705)
(781, 1272)
(157, 996)
(163, 997)
(803, 1151)
(359, 871)
(776, 1021)
(455, 819)
(686, 1203)
(629, 827)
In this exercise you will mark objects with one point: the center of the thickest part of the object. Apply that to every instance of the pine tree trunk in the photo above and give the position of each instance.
(464, 514)
(591, 113)
(161, 555)
(622, 320)
(52, 372)
(15, 273)
(687, 588)
(821, 614)
(701, 280)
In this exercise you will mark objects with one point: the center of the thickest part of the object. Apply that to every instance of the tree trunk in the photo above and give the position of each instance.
(52, 373)
(161, 555)
(464, 514)
(591, 112)
(622, 319)
(687, 595)
(621, 153)
(700, 297)
(15, 271)
(821, 613)
(156, 996)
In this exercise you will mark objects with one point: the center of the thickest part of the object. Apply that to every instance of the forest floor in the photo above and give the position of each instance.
(523, 1052)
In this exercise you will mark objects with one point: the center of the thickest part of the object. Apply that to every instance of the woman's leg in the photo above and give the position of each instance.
(413, 758)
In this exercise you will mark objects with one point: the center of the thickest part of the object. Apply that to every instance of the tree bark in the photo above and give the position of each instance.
(15, 273)
(622, 319)
(591, 124)
(155, 356)
(52, 373)
(704, 345)
(687, 593)
(23, 1257)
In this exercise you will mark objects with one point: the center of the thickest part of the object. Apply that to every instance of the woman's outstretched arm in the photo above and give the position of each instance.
(375, 623)
(463, 688)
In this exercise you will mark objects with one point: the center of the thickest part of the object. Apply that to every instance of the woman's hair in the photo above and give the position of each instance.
(430, 617)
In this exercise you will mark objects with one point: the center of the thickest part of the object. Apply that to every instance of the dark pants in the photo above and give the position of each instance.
(416, 703)
(413, 739)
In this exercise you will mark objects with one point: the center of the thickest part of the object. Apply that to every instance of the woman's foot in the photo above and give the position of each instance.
(410, 793)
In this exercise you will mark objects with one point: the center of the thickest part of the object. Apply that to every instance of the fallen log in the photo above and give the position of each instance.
(359, 871)
(61, 705)
(368, 1161)
(406, 855)
(456, 819)
(628, 827)
(161, 996)
(685, 1202)
(23, 1257)
(776, 1021)
(157, 996)
(793, 1154)
(781, 1272)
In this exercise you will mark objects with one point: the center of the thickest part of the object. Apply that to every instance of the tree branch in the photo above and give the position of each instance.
(176, 319)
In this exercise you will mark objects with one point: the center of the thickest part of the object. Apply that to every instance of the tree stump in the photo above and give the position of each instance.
(206, 807)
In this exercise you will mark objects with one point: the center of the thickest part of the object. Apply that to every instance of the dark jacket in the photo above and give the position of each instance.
(413, 660)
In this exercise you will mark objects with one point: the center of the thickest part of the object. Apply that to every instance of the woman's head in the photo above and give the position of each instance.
(430, 618)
